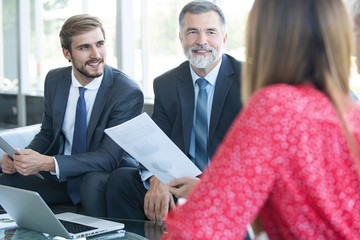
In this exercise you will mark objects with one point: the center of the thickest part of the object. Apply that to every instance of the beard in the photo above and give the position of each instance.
(82, 69)
(201, 61)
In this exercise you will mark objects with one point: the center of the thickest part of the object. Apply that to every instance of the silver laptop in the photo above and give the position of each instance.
(29, 210)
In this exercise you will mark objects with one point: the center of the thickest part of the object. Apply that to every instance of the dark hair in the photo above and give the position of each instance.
(201, 6)
(76, 25)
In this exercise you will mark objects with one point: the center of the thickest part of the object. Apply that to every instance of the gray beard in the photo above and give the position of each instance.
(201, 61)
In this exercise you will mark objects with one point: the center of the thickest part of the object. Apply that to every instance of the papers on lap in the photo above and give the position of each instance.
(148, 144)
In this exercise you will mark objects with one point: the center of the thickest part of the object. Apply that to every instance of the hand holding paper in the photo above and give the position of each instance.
(6, 147)
(145, 141)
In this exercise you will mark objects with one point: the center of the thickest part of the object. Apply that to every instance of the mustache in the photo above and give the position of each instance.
(201, 48)
(95, 60)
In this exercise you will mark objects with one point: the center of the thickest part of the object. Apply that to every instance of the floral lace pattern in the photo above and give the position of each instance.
(285, 159)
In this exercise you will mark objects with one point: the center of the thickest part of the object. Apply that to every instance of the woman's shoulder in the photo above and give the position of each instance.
(291, 97)
(281, 91)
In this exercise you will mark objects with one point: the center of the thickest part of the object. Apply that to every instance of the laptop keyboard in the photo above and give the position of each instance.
(75, 227)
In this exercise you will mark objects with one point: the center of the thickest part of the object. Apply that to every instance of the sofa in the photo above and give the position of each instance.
(20, 137)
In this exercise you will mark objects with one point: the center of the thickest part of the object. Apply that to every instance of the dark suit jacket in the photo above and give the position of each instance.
(174, 103)
(118, 100)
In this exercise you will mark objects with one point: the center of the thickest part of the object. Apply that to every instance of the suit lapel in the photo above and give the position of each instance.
(223, 84)
(62, 90)
(100, 101)
(61, 98)
(186, 96)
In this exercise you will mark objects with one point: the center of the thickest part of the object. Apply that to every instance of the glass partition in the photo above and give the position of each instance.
(141, 35)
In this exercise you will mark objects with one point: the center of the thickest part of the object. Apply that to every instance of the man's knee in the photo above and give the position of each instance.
(121, 180)
(95, 180)
(92, 193)
(125, 193)
(93, 184)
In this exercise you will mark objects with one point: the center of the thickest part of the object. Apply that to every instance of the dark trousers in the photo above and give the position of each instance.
(92, 190)
(52, 191)
(93, 193)
(125, 194)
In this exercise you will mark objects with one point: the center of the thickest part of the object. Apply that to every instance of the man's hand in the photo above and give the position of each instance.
(7, 165)
(28, 162)
(157, 200)
(181, 187)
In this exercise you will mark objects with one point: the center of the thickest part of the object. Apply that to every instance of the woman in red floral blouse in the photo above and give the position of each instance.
(291, 158)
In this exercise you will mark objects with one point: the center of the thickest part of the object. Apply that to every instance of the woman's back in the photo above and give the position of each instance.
(315, 183)
(286, 158)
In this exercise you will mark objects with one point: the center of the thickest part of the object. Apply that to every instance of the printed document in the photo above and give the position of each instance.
(149, 145)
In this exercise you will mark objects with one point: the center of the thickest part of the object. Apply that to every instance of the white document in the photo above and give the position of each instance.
(148, 144)
(6, 147)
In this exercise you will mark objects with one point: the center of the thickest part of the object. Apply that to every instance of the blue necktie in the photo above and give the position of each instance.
(79, 139)
(201, 125)
(79, 143)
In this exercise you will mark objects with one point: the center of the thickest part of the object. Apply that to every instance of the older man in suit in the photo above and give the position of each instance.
(75, 167)
(135, 193)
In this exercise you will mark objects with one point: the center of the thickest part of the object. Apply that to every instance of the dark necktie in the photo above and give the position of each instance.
(201, 126)
(79, 143)
(79, 139)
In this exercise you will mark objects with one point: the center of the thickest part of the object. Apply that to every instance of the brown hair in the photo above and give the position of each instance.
(299, 41)
(293, 41)
(76, 25)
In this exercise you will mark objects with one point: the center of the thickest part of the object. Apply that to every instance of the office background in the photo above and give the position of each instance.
(141, 35)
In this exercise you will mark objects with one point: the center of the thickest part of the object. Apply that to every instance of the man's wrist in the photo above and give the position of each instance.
(152, 180)
(49, 164)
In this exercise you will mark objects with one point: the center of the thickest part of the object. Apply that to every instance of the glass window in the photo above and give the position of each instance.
(141, 35)
(47, 20)
(9, 49)
(155, 47)
(158, 47)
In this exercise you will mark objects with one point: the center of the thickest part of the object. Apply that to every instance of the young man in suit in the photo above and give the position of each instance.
(135, 193)
(111, 98)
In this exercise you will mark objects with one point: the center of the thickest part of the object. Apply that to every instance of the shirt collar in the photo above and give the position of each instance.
(93, 85)
(210, 77)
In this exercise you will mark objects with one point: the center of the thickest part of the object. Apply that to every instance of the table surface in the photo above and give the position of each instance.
(134, 230)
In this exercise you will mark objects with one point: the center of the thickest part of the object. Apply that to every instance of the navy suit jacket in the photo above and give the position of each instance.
(174, 103)
(118, 100)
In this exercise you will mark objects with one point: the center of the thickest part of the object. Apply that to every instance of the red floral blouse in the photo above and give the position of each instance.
(285, 159)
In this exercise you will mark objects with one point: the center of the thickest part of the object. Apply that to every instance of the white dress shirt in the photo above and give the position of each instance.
(211, 78)
(69, 118)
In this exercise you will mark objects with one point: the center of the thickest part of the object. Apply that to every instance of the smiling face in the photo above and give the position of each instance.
(87, 55)
(203, 40)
